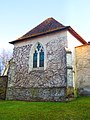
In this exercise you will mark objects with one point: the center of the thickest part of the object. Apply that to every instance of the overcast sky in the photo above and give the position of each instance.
(19, 16)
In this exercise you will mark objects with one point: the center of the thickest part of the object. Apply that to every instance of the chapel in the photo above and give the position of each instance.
(43, 67)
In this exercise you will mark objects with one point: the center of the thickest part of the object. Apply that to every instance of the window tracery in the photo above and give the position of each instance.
(38, 56)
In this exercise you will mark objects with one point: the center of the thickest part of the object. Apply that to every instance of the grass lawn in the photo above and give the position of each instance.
(78, 109)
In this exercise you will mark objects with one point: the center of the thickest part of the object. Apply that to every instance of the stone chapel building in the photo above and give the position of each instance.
(43, 64)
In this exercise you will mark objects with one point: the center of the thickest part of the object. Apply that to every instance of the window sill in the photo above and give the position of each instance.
(38, 68)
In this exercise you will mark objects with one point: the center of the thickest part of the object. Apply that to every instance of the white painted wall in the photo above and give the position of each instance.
(42, 39)
(72, 43)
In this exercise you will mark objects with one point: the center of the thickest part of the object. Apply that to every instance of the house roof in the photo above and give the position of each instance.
(48, 26)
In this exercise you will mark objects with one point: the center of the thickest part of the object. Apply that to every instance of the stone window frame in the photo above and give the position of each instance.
(37, 55)
(31, 57)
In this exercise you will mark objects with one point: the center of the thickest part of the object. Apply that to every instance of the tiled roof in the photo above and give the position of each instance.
(48, 26)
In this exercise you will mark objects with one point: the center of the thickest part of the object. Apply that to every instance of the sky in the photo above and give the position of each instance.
(19, 16)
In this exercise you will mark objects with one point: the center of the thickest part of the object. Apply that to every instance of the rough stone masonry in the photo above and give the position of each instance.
(39, 85)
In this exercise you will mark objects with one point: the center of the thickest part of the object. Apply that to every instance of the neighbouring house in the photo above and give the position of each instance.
(82, 64)
(43, 64)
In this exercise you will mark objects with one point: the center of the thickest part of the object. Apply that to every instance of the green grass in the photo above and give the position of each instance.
(78, 109)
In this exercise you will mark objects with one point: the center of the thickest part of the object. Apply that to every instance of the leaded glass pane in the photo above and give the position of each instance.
(35, 59)
(41, 59)
(38, 56)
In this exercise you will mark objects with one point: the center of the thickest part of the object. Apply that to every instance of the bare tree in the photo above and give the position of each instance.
(5, 56)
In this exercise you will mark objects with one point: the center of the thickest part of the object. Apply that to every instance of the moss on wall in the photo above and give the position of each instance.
(70, 92)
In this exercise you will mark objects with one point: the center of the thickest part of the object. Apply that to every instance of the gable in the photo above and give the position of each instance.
(48, 26)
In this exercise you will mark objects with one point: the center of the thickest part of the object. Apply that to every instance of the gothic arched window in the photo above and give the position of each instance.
(38, 56)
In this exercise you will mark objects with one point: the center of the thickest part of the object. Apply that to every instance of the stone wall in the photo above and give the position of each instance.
(49, 84)
(37, 94)
(3, 86)
(11, 73)
(83, 69)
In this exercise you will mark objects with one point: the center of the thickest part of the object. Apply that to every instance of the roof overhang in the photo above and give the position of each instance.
(39, 34)
(68, 28)
(76, 35)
